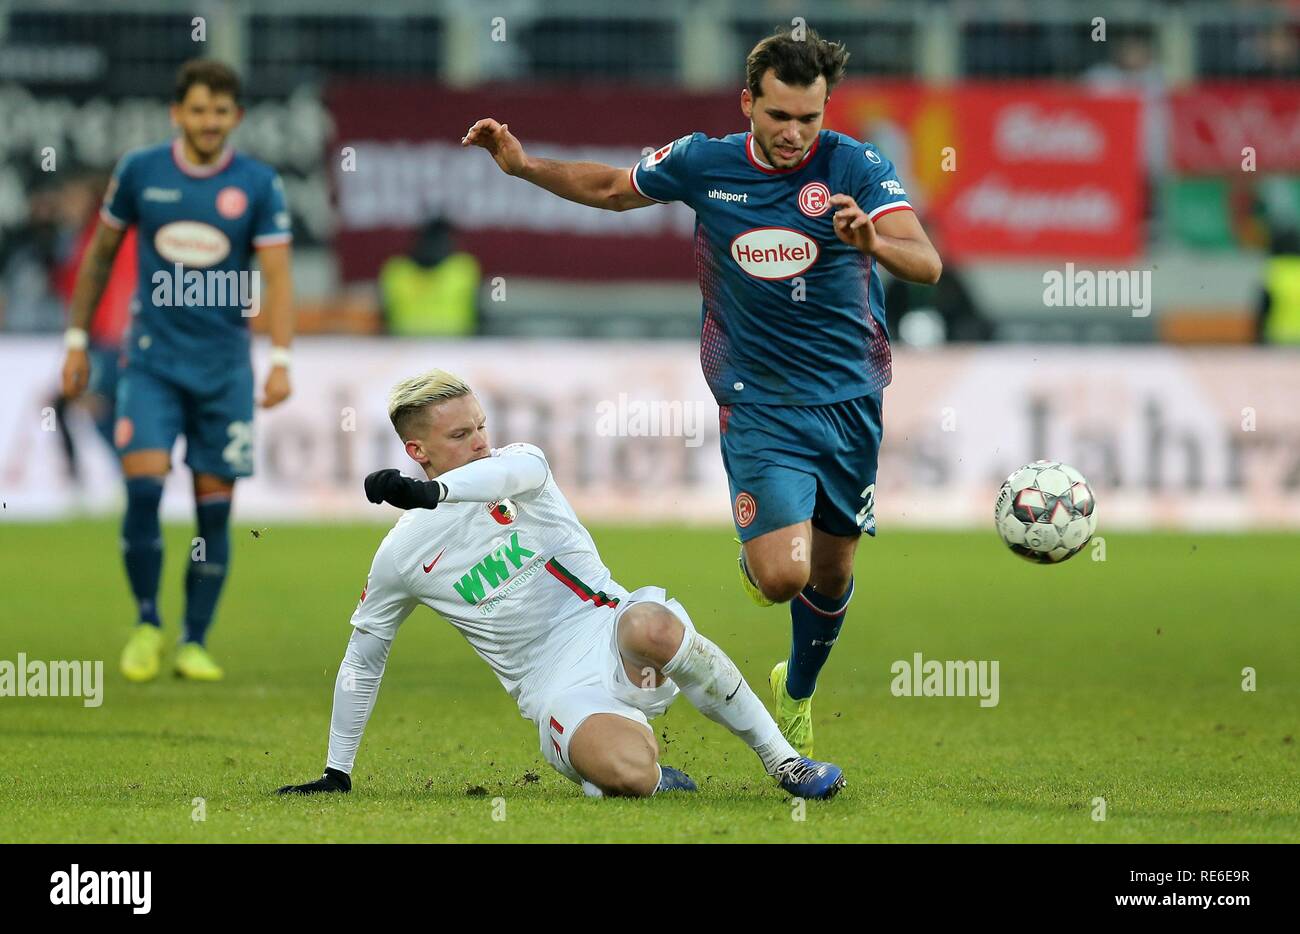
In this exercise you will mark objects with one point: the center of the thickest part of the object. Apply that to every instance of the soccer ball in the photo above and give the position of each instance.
(1045, 512)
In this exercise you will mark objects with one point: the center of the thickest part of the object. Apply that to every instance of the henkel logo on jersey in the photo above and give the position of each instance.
(193, 244)
(774, 252)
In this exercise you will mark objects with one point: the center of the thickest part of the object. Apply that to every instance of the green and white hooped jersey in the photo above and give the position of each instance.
(520, 578)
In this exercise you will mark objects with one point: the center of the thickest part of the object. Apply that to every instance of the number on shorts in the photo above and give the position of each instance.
(239, 452)
(867, 512)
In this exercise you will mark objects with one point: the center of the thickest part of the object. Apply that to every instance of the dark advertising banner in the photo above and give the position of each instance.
(408, 166)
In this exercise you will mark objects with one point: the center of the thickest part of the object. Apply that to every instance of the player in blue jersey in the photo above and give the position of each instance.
(202, 211)
(791, 223)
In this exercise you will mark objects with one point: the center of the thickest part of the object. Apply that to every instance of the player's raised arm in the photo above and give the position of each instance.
(509, 473)
(92, 277)
(590, 183)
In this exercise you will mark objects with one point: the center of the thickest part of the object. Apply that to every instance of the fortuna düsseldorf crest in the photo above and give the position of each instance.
(745, 509)
(814, 199)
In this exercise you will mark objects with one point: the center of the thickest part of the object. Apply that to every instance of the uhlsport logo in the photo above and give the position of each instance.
(745, 509)
(814, 199)
(80, 886)
(774, 252)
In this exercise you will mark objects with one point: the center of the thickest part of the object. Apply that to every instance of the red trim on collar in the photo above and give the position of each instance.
(199, 171)
(772, 170)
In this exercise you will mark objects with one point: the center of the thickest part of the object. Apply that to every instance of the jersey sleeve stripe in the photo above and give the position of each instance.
(889, 208)
(272, 239)
(631, 174)
(107, 217)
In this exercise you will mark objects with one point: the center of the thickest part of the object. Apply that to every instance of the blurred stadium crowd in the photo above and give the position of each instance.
(85, 82)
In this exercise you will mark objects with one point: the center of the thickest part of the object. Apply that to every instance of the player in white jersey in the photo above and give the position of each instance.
(494, 548)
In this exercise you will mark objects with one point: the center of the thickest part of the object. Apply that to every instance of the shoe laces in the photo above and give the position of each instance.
(798, 770)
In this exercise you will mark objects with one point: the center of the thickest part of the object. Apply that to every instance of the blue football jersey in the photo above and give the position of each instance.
(202, 222)
(791, 315)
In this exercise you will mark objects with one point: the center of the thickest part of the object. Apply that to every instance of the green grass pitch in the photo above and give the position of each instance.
(1119, 680)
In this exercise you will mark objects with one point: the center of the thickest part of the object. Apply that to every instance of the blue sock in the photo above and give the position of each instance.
(815, 621)
(142, 544)
(205, 577)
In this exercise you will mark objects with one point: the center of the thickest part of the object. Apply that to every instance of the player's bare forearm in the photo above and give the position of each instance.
(913, 260)
(590, 183)
(277, 303)
(896, 240)
(277, 298)
(92, 277)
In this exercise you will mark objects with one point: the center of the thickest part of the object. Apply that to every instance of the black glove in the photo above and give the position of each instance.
(389, 486)
(332, 780)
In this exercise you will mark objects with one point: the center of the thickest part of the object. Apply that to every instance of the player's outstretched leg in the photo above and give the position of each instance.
(816, 615)
(815, 621)
(142, 555)
(778, 562)
(650, 634)
(209, 559)
(813, 570)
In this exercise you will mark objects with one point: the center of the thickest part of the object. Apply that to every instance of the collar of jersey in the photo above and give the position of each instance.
(771, 169)
(199, 171)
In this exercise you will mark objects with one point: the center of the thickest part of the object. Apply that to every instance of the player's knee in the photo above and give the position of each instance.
(206, 484)
(631, 771)
(833, 582)
(145, 464)
(783, 582)
(651, 631)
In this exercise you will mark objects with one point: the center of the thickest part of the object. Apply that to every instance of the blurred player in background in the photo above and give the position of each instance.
(791, 221)
(493, 547)
(201, 211)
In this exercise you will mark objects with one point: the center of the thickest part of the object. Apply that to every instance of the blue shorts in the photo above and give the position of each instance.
(790, 463)
(217, 422)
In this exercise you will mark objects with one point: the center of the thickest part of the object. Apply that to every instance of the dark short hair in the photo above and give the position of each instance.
(219, 78)
(795, 61)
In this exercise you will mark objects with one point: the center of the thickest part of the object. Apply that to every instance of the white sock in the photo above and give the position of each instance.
(713, 683)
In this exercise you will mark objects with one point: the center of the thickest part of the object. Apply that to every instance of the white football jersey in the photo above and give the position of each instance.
(520, 578)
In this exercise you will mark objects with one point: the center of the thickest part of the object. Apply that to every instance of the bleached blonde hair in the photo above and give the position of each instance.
(410, 399)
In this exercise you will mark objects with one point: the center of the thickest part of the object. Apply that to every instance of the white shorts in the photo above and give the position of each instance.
(597, 682)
